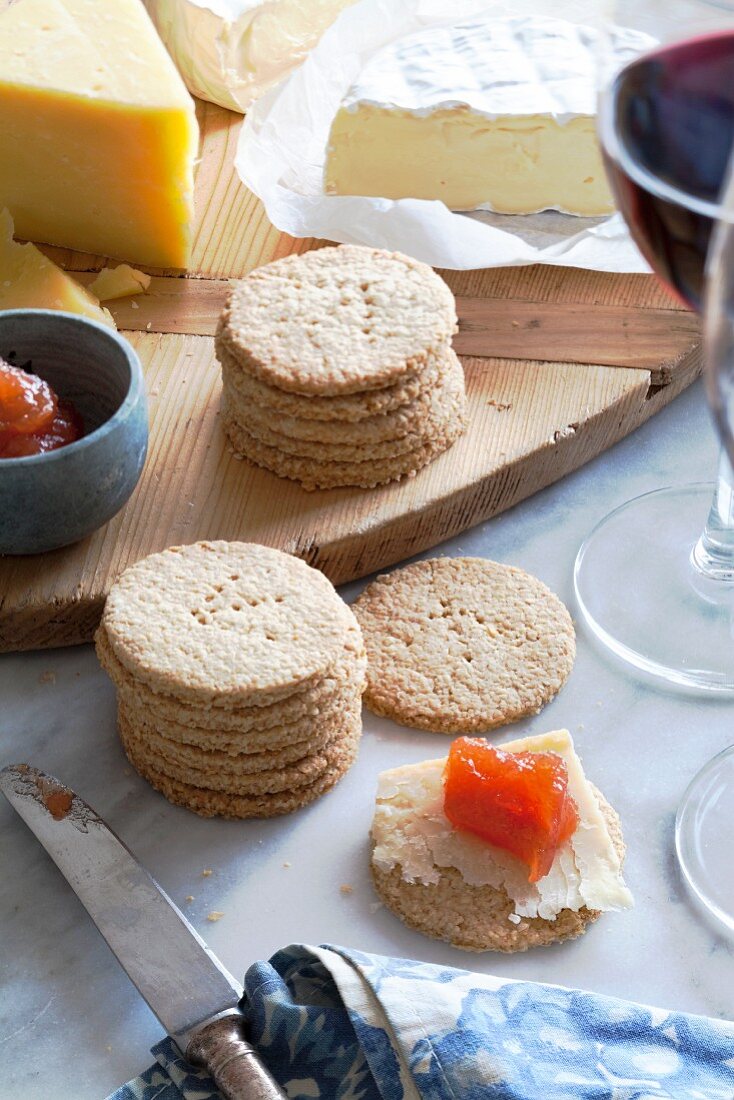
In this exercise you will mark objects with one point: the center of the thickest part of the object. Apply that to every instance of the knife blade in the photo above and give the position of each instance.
(192, 994)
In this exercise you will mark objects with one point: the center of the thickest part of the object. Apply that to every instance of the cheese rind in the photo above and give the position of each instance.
(410, 830)
(493, 113)
(232, 51)
(97, 131)
(29, 280)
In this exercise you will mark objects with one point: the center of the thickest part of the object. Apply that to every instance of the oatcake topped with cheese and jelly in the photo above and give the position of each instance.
(453, 884)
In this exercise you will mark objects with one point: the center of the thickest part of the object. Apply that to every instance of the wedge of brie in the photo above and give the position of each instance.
(231, 51)
(410, 830)
(492, 113)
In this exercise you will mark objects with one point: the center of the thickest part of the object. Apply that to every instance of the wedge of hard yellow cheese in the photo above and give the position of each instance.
(29, 280)
(98, 134)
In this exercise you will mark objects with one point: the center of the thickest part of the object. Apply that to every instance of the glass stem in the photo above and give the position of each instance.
(713, 554)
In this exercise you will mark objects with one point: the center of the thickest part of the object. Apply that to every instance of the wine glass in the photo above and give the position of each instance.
(655, 579)
(704, 826)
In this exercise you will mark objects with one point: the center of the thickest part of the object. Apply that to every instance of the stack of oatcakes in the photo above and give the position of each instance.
(239, 674)
(337, 367)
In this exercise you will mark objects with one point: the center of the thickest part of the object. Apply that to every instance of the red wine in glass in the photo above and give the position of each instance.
(667, 131)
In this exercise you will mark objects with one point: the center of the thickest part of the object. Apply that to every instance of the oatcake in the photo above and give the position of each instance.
(459, 645)
(370, 440)
(477, 918)
(282, 722)
(351, 408)
(210, 803)
(227, 622)
(331, 475)
(239, 674)
(337, 320)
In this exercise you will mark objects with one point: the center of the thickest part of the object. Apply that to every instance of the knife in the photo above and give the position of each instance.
(188, 989)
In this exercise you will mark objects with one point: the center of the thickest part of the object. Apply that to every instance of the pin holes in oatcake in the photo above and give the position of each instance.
(206, 615)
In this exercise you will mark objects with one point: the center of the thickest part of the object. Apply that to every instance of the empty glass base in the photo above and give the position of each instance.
(704, 836)
(642, 596)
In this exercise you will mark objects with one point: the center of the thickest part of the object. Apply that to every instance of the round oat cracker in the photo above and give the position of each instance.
(367, 440)
(288, 777)
(208, 803)
(333, 475)
(461, 645)
(212, 756)
(337, 320)
(476, 918)
(246, 729)
(228, 622)
(296, 739)
(349, 408)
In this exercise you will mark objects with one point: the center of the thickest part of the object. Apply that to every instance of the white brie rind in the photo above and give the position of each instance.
(232, 51)
(497, 113)
(411, 831)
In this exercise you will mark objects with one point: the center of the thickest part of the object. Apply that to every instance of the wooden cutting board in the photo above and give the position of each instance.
(560, 364)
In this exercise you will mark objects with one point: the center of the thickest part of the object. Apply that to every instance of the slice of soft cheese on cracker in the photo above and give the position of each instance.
(410, 830)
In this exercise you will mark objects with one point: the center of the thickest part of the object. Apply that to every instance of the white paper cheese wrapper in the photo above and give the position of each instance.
(282, 150)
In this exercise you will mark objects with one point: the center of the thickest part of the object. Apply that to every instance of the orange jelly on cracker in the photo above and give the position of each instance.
(517, 801)
(32, 418)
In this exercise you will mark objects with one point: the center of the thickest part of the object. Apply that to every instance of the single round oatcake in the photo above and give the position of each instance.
(461, 645)
(230, 622)
(337, 320)
(478, 918)
(348, 409)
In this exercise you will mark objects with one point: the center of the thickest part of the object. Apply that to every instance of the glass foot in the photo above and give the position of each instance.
(643, 597)
(704, 836)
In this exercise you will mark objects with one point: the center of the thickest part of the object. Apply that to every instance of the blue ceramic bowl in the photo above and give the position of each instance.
(54, 499)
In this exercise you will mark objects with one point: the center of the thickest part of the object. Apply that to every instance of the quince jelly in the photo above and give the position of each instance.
(32, 418)
(517, 801)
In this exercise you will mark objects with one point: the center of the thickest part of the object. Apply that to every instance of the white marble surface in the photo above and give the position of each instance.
(71, 1025)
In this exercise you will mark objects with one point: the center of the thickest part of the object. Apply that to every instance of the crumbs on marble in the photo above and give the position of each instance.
(207, 872)
(580, 727)
(214, 916)
(189, 897)
(286, 864)
(47, 677)
(346, 888)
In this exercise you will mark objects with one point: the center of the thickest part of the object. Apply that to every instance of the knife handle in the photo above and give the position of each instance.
(223, 1051)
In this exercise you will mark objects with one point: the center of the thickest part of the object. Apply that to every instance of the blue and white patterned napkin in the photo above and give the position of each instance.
(336, 1024)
